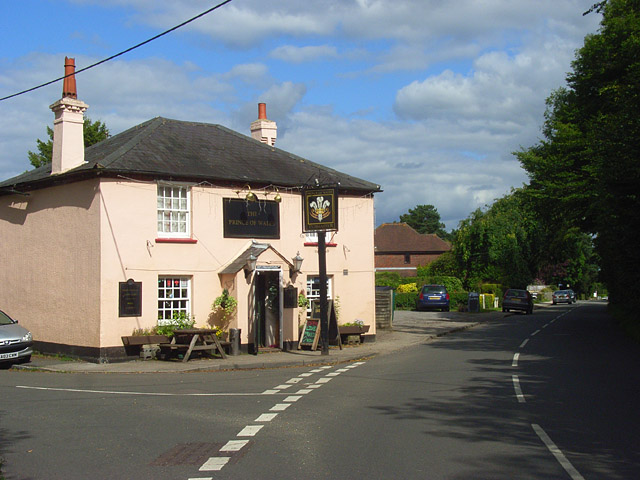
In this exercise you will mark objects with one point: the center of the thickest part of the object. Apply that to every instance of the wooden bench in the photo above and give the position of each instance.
(192, 340)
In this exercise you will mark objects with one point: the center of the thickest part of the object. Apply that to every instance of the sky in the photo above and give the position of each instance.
(428, 99)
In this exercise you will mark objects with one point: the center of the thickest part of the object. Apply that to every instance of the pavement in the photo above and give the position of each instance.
(409, 328)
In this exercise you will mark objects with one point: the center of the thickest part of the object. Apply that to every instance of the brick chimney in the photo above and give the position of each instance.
(262, 129)
(68, 137)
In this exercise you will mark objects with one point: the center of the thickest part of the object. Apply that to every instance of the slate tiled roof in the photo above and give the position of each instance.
(171, 149)
(401, 238)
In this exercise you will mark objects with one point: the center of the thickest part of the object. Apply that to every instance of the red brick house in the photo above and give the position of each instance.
(400, 249)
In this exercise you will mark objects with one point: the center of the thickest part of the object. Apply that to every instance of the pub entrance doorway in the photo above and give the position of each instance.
(267, 309)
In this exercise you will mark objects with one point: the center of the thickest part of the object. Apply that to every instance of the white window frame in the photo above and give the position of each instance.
(312, 237)
(314, 294)
(174, 295)
(173, 209)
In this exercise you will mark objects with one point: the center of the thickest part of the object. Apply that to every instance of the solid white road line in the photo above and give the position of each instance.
(566, 464)
(150, 394)
(515, 359)
(516, 387)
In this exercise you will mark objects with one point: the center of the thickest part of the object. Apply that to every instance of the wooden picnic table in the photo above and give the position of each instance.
(191, 340)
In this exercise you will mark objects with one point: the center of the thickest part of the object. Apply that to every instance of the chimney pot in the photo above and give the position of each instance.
(69, 82)
(262, 129)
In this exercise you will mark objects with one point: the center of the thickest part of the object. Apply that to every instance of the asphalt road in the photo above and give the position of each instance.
(548, 395)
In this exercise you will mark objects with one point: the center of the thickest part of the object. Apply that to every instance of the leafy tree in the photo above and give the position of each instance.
(501, 244)
(94, 132)
(425, 219)
(586, 172)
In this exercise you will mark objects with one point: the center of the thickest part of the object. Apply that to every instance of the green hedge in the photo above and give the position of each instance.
(407, 301)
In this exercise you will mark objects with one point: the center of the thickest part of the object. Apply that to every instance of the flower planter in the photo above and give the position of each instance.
(353, 330)
(130, 340)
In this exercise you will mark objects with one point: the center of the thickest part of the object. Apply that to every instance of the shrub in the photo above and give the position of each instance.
(407, 288)
(179, 320)
(406, 301)
(458, 300)
(388, 279)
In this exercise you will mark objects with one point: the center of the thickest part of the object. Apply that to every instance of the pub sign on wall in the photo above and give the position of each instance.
(320, 209)
(244, 219)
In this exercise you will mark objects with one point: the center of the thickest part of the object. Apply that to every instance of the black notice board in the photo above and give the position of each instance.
(130, 299)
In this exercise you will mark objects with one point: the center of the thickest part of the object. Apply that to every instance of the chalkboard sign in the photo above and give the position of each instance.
(314, 330)
(130, 299)
(310, 334)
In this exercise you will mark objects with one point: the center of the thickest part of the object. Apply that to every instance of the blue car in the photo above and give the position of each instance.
(433, 297)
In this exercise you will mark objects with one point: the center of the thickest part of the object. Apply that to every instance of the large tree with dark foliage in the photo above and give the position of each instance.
(94, 132)
(586, 171)
(425, 219)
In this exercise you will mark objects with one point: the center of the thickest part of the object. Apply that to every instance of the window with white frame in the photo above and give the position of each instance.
(313, 290)
(174, 297)
(173, 211)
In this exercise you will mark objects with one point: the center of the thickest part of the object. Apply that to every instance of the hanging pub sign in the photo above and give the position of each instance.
(320, 209)
(251, 219)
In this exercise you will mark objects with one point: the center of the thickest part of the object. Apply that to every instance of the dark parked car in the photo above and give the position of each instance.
(562, 296)
(15, 341)
(516, 299)
(433, 296)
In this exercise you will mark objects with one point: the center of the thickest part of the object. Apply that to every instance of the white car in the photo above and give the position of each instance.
(15, 341)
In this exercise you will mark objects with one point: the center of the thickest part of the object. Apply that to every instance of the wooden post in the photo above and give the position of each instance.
(324, 317)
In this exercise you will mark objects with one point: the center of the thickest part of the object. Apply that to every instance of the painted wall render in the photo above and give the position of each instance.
(66, 248)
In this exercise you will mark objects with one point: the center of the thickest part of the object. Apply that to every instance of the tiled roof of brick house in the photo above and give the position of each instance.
(401, 238)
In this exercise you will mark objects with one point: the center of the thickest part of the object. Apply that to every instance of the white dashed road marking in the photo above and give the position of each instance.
(234, 445)
(562, 460)
(250, 430)
(516, 387)
(214, 463)
(515, 359)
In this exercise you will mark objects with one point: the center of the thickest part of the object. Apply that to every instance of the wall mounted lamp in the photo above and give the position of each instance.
(297, 263)
(250, 266)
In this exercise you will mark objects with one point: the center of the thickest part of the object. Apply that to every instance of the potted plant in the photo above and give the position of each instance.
(224, 308)
(353, 328)
(144, 336)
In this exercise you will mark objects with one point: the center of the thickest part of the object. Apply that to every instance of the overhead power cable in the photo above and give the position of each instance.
(121, 53)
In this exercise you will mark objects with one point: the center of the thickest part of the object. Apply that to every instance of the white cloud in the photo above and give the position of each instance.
(427, 99)
(294, 54)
